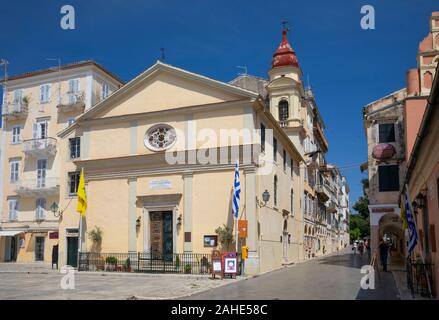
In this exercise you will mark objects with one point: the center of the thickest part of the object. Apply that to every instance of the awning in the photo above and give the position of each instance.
(10, 233)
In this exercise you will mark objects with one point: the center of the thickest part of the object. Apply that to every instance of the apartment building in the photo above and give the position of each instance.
(36, 106)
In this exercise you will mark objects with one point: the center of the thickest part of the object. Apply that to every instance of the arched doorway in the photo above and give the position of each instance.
(390, 229)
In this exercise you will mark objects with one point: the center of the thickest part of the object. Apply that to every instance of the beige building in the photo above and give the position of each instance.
(37, 105)
(143, 202)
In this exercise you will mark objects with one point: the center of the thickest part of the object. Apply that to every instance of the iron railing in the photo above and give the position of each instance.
(420, 278)
(150, 262)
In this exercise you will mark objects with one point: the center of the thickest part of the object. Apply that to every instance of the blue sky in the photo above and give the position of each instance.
(347, 66)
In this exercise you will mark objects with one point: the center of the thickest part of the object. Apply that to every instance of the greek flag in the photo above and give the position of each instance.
(413, 234)
(236, 191)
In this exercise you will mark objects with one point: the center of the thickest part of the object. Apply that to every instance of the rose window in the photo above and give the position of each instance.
(160, 137)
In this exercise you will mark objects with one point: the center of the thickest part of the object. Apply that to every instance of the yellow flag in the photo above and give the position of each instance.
(82, 198)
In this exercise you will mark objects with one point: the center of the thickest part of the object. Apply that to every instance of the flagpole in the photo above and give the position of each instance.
(417, 236)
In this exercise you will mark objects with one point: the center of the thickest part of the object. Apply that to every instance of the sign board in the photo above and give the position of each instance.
(242, 229)
(230, 264)
(160, 184)
(217, 267)
(54, 235)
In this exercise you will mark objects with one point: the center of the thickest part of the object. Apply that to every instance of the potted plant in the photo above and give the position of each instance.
(177, 263)
(127, 265)
(225, 237)
(111, 263)
(25, 100)
(188, 268)
(95, 236)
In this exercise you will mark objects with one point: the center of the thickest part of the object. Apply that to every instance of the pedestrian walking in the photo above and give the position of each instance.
(361, 248)
(355, 247)
(384, 251)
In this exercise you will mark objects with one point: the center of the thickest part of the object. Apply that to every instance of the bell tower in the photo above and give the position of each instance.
(285, 90)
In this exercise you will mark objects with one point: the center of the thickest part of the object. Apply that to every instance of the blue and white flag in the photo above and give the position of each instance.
(411, 224)
(236, 192)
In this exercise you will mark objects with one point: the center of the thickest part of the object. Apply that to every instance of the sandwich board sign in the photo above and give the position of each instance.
(230, 264)
(217, 267)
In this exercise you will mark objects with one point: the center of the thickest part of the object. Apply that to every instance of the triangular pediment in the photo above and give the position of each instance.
(164, 87)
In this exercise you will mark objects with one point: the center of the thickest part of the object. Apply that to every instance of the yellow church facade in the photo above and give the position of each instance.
(159, 158)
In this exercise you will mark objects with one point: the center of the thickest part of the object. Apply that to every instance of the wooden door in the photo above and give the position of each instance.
(156, 226)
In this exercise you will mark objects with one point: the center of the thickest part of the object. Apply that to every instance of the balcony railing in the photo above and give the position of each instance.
(72, 101)
(15, 110)
(39, 147)
(37, 187)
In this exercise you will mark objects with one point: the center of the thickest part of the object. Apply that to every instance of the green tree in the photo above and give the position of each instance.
(359, 223)
(355, 233)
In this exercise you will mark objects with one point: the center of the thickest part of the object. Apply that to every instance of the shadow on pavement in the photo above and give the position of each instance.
(347, 260)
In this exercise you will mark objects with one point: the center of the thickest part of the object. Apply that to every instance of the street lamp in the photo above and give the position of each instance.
(54, 208)
(265, 198)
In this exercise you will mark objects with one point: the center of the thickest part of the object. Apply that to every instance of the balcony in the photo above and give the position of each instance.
(322, 192)
(332, 207)
(37, 187)
(15, 111)
(39, 147)
(72, 101)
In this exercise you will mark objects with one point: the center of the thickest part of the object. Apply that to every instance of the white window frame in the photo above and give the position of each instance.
(13, 209)
(105, 90)
(37, 129)
(18, 96)
(45, 93)
(40, 208)
(14, 167)
(16, 138)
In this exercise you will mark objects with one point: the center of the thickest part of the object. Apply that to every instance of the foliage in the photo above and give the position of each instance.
(359, 225)
(187, 268)
(127, 263)
(177, 262)
(95, 235)
(354, 234)
(25, 99)
(111, 260)
(225, 237)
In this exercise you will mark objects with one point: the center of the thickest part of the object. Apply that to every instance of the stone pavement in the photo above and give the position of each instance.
(333, 277)
(38, 281)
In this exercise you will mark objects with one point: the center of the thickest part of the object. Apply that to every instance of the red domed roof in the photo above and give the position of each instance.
(284, 55)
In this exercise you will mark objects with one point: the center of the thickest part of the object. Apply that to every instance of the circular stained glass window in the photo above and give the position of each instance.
(160, 137)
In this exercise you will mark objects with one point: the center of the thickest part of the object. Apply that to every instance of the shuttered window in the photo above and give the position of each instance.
(386, 132)
(13, 209)
(45, 93)
(40, 209)
(388, 178)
